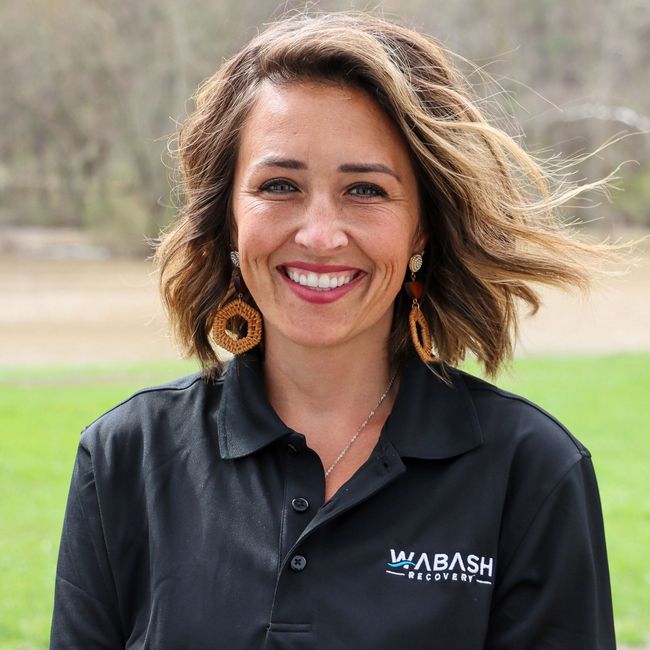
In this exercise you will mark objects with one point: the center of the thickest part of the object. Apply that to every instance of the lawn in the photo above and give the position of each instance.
(602, 400)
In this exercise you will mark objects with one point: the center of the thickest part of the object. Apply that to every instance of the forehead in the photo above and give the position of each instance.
(308, 119)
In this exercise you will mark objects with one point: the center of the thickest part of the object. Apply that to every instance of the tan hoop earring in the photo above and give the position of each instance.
(420, 333)
(222, 334)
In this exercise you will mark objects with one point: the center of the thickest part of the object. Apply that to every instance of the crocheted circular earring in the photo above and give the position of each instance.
(237, 315)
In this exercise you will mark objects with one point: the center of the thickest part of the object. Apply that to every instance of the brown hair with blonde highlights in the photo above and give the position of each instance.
(488, 208)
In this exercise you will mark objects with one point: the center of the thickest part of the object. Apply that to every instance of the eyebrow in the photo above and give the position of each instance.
(286, 163)
(354, 168)
(366, 168)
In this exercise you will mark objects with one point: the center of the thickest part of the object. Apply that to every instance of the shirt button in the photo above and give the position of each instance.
(300, 504)
(298, 562)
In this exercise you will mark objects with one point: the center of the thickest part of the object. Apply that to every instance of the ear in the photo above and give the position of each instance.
(419, 242)
(233, 233)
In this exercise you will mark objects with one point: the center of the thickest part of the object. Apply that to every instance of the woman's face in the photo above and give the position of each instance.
(325, 206)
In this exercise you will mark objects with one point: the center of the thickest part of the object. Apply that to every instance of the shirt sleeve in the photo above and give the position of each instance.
(553, 593)
(85, 604)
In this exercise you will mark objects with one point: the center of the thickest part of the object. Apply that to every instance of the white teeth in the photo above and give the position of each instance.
(318, 281)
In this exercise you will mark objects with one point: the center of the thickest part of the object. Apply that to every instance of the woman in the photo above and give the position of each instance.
(340, 485)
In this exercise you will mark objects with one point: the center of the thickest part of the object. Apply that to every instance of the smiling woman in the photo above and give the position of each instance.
(324, 194)
(352, 228)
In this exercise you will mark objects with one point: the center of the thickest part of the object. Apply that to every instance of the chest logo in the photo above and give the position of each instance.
(441, 567)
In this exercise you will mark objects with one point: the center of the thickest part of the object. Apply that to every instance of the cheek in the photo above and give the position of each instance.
(254, 237)
(261, 224)
(255, 249)
(390, 228)
(389, 246)
(257, 243)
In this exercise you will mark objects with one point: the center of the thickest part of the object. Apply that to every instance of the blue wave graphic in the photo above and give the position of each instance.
(396, 564)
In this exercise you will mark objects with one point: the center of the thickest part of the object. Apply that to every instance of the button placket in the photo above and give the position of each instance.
(385, 467)
(304, 490)
(302, 564)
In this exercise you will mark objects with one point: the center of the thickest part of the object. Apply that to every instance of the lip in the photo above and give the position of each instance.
(320, 297)
(318, 268)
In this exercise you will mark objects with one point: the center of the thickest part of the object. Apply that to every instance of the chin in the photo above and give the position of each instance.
(315, 337)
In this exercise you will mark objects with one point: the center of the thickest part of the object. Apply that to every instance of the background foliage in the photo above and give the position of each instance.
(93, 89)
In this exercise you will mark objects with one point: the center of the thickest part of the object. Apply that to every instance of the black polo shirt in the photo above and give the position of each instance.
(196, 519)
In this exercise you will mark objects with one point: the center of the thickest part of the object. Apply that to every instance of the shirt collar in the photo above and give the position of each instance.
(430, 419)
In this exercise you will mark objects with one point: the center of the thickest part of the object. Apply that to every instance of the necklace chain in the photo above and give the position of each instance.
(363, 425)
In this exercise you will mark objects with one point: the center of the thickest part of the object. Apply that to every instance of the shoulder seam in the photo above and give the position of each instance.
(144, 391)
(518, 398)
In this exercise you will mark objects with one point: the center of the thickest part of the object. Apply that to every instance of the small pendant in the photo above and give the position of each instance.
(414, 289)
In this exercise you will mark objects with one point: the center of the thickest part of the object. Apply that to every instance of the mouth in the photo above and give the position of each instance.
(323, 281)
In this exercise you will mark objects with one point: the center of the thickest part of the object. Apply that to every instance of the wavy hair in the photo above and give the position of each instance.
(488, 208)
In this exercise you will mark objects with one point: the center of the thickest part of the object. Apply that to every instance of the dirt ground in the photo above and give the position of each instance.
(77, 310)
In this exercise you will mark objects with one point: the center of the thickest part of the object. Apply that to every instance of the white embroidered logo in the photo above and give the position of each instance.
(441, 567)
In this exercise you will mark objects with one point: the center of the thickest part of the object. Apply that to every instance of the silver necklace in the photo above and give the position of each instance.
(363, 425)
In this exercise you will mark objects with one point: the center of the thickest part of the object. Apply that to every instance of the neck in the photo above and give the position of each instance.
(308, 386)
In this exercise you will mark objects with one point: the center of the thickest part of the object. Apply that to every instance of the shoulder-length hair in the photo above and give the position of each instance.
(487, 207)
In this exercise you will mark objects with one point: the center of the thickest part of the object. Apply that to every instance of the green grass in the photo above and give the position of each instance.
(604, 402)
(42, 411)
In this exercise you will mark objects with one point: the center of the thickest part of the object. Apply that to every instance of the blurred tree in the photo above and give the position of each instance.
(92, 89)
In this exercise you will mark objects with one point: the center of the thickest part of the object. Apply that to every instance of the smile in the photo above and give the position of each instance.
(320, 281)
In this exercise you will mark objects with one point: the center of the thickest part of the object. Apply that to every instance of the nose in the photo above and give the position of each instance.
(321, 228)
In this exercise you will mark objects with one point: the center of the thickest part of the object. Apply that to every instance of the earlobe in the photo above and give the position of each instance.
(419, 243)
(233, 231)
(419, 248)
